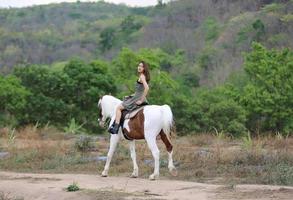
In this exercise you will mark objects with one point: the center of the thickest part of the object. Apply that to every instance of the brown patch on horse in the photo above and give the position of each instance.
(166, 141)
(136, 127)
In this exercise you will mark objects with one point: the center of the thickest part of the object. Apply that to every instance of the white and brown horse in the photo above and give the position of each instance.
(147, 124)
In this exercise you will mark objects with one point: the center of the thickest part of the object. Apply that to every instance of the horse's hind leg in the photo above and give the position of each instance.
(169, 148)
(113, 144)
(133, 157)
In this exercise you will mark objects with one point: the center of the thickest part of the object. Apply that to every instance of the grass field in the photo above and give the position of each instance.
(203, 158)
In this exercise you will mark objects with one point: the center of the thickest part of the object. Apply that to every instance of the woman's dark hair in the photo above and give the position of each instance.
(146, 71)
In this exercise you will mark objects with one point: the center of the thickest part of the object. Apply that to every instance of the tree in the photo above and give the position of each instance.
(107, 38)
(60, 95)
(259, 28)
(12, 98)
(269, 95)
(162, 85)
(128, 25)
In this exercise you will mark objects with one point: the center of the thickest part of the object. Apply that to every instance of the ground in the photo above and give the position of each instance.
(40, 163)
(93, 187)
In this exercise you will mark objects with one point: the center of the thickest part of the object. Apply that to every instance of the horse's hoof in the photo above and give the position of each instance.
(133, 176)
(104, 174)
(153, 177)
(173, 172)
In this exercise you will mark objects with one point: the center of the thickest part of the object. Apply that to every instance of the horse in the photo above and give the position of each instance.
(149, 123)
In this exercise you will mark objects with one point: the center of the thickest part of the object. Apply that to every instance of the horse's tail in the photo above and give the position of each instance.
(168, 122)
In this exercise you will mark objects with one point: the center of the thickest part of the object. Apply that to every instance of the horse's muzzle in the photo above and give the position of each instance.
(101, 123)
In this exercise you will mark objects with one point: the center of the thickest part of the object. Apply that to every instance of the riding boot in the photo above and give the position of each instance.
(114, 128)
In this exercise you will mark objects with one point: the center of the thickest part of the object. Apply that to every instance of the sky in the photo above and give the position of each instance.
(24, 3)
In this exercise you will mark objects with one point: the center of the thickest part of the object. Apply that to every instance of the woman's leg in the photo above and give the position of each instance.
(115, 126)
(118, 113)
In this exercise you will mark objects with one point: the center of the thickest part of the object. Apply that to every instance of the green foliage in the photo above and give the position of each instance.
(119, 35)
(12, 94)
(253, 32)
(219, 110)
(208, 110)
(83, 143)
(107, 38)
(280, 38)
(259, 28)
(161, 84)
(60, 31)
(129, 25)
(205, 60)
(184, 114)
(13, 98)
(59, 96)
(247, 142)
(219, 135)
(211, 28)
(268, 96)
(287, 18)
(274, 7)
(44, 87)
(73, 127)
(243, 34)
(191, 79)
(73, 187)
(283, 174)
(11, 136)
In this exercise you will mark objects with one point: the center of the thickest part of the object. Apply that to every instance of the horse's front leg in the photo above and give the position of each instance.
(133, 157)
(151, 141)
(113, 144)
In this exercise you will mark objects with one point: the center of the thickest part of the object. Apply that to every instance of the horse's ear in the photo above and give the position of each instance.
(99, 102)
(100, 98)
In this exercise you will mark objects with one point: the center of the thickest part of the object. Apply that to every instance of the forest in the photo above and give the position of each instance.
(223, 66)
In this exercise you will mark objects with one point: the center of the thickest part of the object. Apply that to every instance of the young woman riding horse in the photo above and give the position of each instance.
(141, 91)
(150, 123)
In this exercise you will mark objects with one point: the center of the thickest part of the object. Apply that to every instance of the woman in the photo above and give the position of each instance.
(139, 97)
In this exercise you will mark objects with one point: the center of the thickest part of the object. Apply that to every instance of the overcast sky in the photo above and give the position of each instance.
(22, 3)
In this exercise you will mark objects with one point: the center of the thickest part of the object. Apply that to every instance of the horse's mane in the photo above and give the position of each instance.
(111, 98)
(109, 103)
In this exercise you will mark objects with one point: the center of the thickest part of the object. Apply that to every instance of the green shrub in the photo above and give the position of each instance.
(268, 97)
(83, 143)
(73, 187)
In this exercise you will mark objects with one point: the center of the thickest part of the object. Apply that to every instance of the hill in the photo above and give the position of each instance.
(212, 34)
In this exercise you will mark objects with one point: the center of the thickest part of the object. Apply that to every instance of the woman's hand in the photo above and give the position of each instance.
(138, 102)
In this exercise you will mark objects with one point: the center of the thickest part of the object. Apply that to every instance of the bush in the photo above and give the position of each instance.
(219, 110)
(268, 97)
(83, 143)
(73, 187)
(13, 98)
(59, 96)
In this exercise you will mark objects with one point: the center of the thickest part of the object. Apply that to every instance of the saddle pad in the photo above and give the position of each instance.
(133, 113)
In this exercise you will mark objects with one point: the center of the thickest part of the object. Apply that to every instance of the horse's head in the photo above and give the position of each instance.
(107, 105)
(102, 117)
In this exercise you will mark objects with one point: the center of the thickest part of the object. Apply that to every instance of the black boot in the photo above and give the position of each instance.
(114, 128)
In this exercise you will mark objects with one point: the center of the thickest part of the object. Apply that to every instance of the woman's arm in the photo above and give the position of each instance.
(146, 87)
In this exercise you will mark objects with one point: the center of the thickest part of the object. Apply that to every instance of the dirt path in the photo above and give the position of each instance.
(52, 187)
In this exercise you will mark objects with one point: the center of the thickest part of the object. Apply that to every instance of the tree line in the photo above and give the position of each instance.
(258, 100)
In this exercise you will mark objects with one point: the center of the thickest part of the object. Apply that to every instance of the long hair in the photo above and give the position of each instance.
(146, 71)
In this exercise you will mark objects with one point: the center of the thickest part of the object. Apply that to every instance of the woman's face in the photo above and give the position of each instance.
(140, 68)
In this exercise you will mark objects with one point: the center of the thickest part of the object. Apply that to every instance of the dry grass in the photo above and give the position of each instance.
(204, 158)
